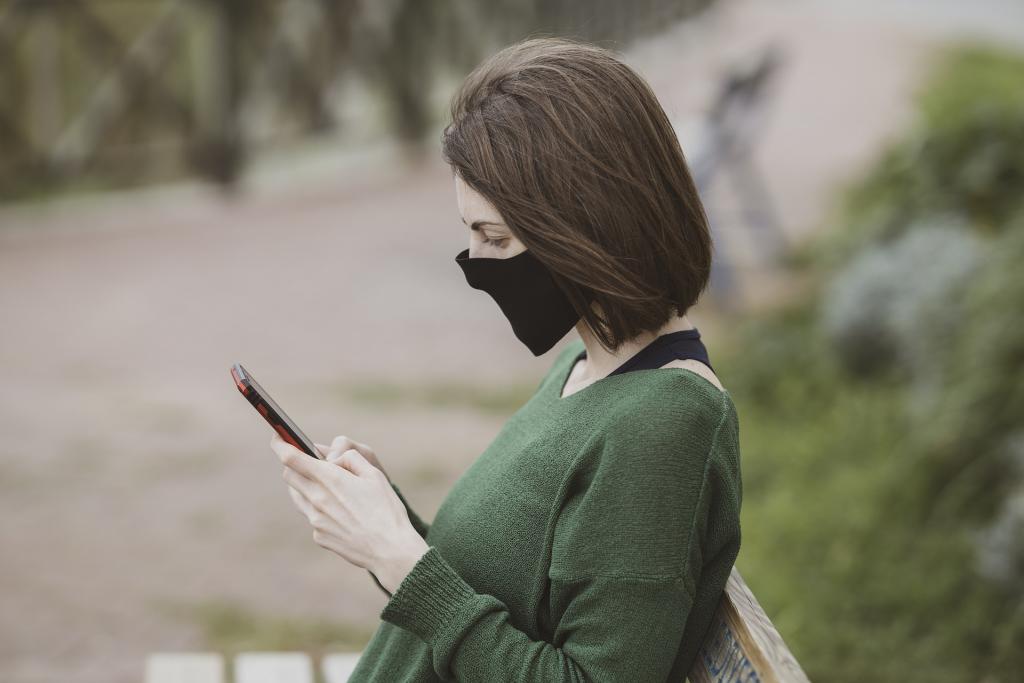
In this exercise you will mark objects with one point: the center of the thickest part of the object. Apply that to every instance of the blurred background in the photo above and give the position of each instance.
(190, 183)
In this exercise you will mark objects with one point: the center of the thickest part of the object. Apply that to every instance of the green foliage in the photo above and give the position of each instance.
(831, 545)
(864, 495)
(964, 157)
(969, 78)
(981, 403)
(874, 314)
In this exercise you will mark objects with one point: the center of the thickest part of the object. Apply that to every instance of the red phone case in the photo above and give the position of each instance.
(271, 412)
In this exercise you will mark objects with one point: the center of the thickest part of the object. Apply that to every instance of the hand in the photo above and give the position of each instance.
(353, 510)
(343, 443)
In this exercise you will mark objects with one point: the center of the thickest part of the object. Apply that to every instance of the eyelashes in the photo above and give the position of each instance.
(497, 243)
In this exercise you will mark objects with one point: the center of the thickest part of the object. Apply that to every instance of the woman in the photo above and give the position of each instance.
(593, 538)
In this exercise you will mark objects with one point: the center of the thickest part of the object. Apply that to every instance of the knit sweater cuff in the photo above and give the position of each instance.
(429, 598)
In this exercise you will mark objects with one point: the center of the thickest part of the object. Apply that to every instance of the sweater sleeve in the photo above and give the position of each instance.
(421, 527)
(626, 557)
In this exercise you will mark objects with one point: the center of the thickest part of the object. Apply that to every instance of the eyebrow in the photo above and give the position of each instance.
(476, 224)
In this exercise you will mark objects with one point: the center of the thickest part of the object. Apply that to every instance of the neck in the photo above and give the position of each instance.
(599, 362)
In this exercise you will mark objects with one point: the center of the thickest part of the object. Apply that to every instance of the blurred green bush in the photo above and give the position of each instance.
(882, 418)
(964, 157)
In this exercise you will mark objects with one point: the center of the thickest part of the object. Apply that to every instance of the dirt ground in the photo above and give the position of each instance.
(133, 478)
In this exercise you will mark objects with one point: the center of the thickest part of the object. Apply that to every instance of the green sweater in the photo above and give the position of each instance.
(591, 541)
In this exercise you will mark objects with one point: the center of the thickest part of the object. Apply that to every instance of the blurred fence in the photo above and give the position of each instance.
(127, 91)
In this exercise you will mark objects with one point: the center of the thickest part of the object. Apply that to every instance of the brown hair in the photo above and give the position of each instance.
(571, 146)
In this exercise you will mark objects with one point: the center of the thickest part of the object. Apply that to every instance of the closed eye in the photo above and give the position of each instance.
(500, 243)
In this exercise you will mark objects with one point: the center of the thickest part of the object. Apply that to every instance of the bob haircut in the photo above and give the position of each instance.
(575, 152)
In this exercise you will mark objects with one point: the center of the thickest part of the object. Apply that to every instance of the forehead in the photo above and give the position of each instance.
(472, 205)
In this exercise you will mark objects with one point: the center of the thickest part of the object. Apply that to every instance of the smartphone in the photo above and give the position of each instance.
(271, 412)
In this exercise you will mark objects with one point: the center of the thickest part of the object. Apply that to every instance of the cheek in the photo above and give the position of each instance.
(478, 248)
(490, 251)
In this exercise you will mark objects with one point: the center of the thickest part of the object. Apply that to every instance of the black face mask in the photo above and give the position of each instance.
(523, 288)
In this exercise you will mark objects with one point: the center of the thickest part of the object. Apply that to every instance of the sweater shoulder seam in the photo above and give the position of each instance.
(677, 577)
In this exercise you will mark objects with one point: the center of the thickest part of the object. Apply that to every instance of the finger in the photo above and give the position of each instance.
(306, 487)
(324, 450)
(353, 461)
(319, 519)
(296, 459)
(343, 443)
(304, 506)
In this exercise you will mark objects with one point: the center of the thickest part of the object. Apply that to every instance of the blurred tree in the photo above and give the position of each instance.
(965, 156)
(202, 65)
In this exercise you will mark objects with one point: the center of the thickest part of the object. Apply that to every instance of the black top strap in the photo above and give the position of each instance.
(681, 345)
